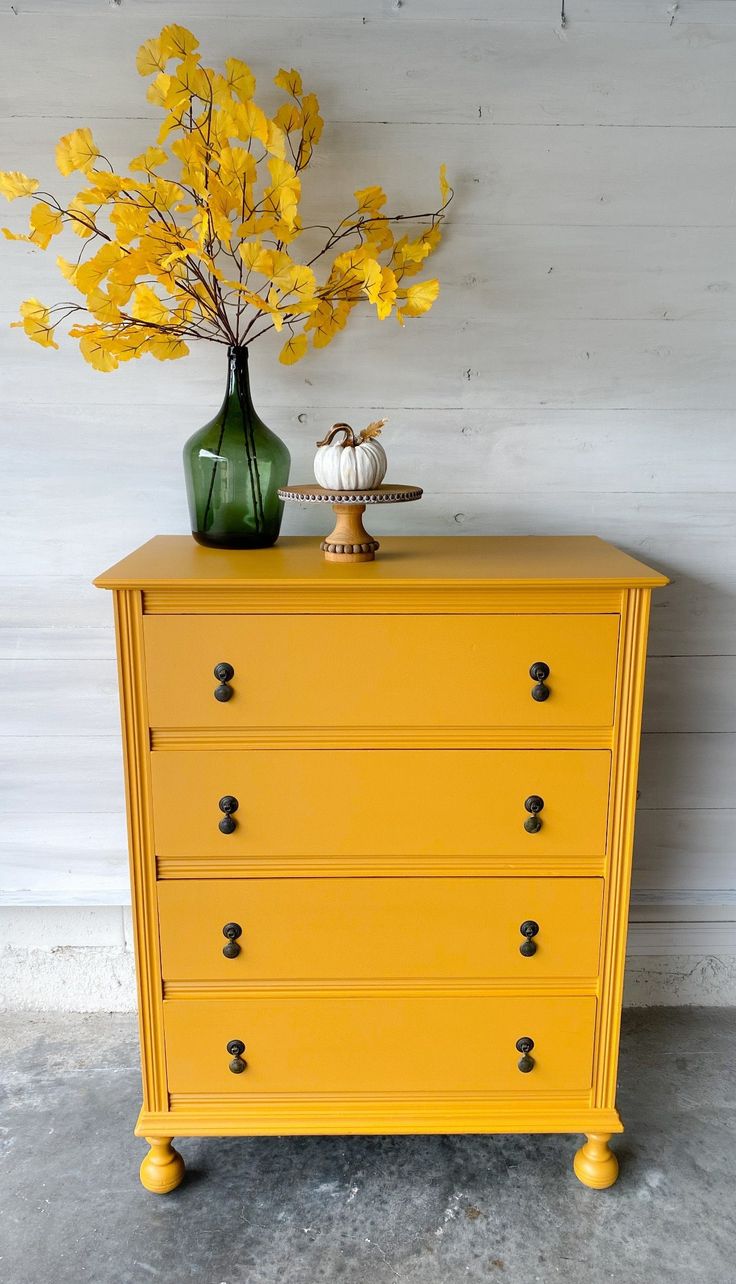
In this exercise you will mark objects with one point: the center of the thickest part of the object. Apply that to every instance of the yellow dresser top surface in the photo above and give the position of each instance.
(490, 561)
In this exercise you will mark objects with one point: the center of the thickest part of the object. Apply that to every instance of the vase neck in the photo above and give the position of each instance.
(238, 378)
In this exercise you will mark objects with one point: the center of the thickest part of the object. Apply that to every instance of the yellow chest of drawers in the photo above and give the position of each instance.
(380, 822)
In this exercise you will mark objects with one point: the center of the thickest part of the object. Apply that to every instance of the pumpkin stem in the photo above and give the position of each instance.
(349, 438)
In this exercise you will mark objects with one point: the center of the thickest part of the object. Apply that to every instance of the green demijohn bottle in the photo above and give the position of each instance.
(234, 466)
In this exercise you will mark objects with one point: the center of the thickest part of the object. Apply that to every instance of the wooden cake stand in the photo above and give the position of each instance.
(350, 541)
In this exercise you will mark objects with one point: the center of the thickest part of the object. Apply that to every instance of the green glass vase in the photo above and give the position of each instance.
(234, 467)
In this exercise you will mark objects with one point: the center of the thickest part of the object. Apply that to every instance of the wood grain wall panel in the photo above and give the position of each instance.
(576, 375)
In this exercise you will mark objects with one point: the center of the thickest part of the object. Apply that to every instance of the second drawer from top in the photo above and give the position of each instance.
(533, 803)
(381, 671)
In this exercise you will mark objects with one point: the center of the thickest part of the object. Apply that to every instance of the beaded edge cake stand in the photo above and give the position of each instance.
(350, 541)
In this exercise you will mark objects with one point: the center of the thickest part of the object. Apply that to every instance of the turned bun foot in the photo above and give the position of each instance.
(162, 1169)
(595, 1164)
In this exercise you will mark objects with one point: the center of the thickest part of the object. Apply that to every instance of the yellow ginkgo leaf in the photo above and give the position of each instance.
(37, 323)
(250, 122)
(419, 299)
(256, 258)
(294, 278)
(93, 272)
(158, 89)
(102, 307)
(67, 269)
(240, 79)
(312, 126)
(46, 222)
(322, 323)
(151, 57)
(293, 350)
(385, 296)
(104, 185)
(177, 41)
(445, 188)
(150, 159)
(188, 82)
(288, 117)
(167, 347)
(273, 309)
(76, 151)
(283, 195)
(148, 307)
(95, 351)
(432, 237)
(81, 219)
(290, 81)
(236, 167)
(129, 220)
(276, 140)
(370, 199)
(14, 184)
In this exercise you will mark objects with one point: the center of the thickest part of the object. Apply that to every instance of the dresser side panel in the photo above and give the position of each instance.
(622, 806)
(134, 719)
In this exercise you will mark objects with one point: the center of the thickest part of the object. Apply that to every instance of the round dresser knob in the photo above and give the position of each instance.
(228, 804)
(539, 672)
(236, 1048)
(533, 804)
(529, 930)
(232, 931)
(524, 1046)
(223, 673)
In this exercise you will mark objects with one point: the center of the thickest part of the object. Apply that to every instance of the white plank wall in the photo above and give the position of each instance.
(578, 374)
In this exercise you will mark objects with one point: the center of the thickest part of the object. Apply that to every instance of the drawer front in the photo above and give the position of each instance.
(372, 1045)
(302, 802)
(369, 928)
(380, 670)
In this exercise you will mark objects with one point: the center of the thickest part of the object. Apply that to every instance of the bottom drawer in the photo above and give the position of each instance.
(372, 1044)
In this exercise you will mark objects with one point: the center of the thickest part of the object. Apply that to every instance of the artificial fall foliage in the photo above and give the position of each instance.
(212, 253)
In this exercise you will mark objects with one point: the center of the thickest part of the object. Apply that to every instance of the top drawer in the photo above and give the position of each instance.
(381, 670)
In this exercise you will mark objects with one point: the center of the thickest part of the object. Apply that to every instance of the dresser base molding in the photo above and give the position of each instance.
(300, 1116)
(162, 1169)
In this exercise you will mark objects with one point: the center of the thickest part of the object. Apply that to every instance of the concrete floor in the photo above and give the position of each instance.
(377, 1210)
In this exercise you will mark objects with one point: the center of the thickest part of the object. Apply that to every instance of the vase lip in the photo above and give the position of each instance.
(236, 351)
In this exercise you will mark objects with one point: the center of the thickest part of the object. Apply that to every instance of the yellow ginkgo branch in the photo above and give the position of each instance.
(207, 251)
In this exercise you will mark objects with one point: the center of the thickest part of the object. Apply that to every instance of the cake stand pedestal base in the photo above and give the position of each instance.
(350, 541)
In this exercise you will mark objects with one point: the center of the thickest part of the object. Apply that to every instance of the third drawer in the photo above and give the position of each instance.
(373, 928)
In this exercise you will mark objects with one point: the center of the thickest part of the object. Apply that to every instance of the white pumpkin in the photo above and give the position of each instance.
(353, 463)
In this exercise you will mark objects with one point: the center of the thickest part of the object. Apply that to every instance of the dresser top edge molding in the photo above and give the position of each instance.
(480, 561)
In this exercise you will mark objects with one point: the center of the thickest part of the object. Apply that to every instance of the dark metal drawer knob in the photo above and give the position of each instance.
(228, 805)
(236, 1048)
(524, 1046)
(539, 672)
(533, 804)
(529, 930)
(232, 931)
(223, 673)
